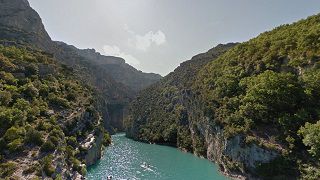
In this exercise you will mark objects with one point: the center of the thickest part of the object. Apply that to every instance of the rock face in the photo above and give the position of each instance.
(115, 67)
(94, 148)
(19, 22)
(235, 157)
(114, 80)
(229, 153)
(119, 70)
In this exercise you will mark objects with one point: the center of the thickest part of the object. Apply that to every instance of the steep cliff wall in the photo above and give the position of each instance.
(93, 144)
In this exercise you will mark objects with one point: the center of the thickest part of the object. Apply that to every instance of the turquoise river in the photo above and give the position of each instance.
(131, 160)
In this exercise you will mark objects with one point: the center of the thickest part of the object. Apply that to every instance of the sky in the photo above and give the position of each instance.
(157, 35)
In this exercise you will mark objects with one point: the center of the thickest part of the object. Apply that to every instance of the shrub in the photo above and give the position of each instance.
(72, 141)
(310, 172)
(14, 133)
(311, 137)
(58, 101)
(54, 140)
(8, 78)
(30, 91)
(106, 139)
(5, 98)
(34, 137)
(43, 126)
(59, 177)
(7, 169)
(31, 69)
(5, 64)
(48, 146)
(70, 152)
(46, 164)
(76, 166)
(251, 140)
(33, 168)
(72, 96)
(15, 145)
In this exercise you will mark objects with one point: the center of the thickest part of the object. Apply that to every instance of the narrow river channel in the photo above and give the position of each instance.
(131, 160)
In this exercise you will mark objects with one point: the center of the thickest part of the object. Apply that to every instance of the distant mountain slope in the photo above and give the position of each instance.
(117, 68)
(254, 110)
(116, 82)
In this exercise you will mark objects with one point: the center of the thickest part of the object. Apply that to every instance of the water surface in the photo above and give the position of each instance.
(128, 159)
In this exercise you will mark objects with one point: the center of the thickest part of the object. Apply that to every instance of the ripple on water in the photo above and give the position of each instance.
(124, 160)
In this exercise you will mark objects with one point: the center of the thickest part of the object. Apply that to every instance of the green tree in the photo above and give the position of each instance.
(34, 137)
(5, 98)
(311, 137)
(269, 95)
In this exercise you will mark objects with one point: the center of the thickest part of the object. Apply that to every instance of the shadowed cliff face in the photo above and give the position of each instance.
(117, 112)
(113, 79)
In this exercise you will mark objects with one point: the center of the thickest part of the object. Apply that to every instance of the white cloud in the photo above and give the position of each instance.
(143, 42)
(115, 51)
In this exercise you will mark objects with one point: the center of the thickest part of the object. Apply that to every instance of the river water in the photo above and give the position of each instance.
(131, 160)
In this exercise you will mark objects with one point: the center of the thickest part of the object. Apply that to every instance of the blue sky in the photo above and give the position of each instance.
(157, 35)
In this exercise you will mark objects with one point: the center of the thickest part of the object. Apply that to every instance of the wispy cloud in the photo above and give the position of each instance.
(144, 42)
(116, 51)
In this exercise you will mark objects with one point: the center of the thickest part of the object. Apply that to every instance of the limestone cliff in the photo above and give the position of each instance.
(19, 22)
(94, 149)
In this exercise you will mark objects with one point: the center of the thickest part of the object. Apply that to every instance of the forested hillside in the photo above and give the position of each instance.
(253, 110)
(157, 108)
(45, 116)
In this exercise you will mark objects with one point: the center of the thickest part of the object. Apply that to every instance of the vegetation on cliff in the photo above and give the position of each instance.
(41, 104)
(159, 114)
(266, 89)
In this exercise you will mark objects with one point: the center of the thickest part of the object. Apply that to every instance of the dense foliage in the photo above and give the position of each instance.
(266, 89)
(269, 85)
(40, 102)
